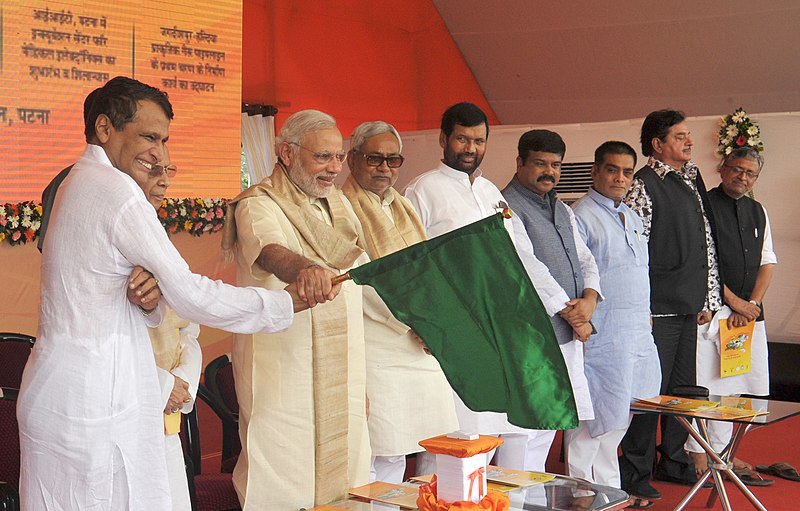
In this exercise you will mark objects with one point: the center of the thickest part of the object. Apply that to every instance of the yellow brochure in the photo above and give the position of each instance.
(513, 477)
(172, 423)
(400, 495)
(734, 348)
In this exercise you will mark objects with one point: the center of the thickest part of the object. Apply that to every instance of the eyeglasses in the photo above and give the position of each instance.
(749, 174)
(324, 157)
(157, 170)
(394, 161)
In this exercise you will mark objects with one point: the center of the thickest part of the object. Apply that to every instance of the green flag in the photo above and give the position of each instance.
(467, 295)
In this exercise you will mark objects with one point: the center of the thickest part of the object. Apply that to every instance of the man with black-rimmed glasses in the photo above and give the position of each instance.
(400, 374)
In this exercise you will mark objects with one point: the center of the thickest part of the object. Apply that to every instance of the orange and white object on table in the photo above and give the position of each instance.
(460, 481)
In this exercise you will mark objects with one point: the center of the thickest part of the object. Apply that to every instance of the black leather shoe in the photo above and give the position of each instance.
(688, 480)
(643, 490)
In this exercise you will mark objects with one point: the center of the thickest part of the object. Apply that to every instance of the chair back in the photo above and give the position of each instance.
(14, 352)
(208, 492)
(218, 390)
(9, 437)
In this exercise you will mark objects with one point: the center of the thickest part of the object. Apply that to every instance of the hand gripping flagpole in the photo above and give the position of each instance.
(506, 212)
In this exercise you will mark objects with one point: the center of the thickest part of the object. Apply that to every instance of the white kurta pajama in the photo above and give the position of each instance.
(89, 409)
(446, 200)
(274, 379)
(409, 397)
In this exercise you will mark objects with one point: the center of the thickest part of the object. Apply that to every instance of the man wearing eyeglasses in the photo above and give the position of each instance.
(400, 375)
(302, 392)
(747, 259)
(90, 408)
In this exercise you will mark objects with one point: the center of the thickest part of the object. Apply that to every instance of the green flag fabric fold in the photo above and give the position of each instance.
(468, 296)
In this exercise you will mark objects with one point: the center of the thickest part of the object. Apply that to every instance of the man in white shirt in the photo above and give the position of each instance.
(90, 410)
(453, 195)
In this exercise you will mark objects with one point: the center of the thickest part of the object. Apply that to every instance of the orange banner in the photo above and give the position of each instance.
(53, 53)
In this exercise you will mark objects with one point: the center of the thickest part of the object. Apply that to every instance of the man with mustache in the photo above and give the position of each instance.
(550, 225)
(453, 195)
(301, 392)
(669, 195)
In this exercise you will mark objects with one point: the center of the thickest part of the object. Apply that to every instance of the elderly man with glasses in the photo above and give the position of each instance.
(302, 392)
(747, 260)
(400, 374)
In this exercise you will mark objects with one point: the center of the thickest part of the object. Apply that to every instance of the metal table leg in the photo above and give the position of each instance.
(717, 467)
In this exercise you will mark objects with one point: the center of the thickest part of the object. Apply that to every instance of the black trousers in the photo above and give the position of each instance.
(676, 340)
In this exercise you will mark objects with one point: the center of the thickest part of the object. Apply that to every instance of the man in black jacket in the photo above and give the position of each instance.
(669, 195)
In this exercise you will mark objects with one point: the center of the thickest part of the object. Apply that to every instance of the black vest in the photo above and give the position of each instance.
(677, 245)
(740, 235)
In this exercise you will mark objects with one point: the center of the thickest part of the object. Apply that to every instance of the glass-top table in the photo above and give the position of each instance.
(560, 494)
(720, 464)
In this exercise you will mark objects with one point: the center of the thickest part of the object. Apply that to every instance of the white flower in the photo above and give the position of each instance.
(739, 116)
(728, 150)
(182, 211)
(26, 210)
(26, 221)
(754, 141)
(2, 211)
(35, 225)
(752, 130)
(732, 131)
(14, 220)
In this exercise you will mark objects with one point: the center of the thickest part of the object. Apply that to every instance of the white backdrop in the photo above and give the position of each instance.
(778, 187)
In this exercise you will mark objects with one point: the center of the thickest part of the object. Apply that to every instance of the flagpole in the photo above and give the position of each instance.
(341, 278)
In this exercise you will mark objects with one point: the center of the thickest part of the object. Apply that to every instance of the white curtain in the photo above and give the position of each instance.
(258, 143)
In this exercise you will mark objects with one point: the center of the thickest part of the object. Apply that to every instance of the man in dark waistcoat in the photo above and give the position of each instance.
(669, 195)
(550, 225)
(747, 260)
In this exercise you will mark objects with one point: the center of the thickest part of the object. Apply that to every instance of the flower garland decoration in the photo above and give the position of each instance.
(20, 222)
(737, 130)
(194, 216)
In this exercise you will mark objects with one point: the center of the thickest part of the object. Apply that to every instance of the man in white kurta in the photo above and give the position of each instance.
(302, 392)
(453, 195)
(409, 397)
(90, 414)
